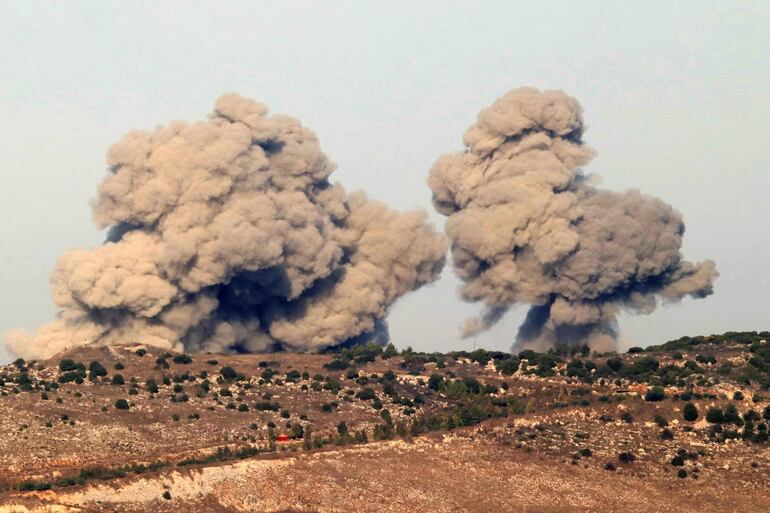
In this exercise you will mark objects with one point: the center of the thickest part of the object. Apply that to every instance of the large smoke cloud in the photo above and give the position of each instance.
(225, 235)
(527, 226)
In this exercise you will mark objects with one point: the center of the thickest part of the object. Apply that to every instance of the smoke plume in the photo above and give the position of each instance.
(527, 226)
(226, 235)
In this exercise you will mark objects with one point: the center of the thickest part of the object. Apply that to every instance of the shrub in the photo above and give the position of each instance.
(96, 369)
(121, 404)
(167, 495)
(508, 366)
(337, 364)
(366, 394)
(738, 396)
(715, 416)
(609, 466)
(660, 420)
(342, 428)
(228, 373)
(681, 474)
(732, 416)
(151, 386)
(67, 365)
(119, 366)
(626, 457)
(183, 359)
(285, 414)
(666, 434)
(267, 406)
(627, 417)
(243, 407)
(690, 412)
(654, 394)
(677, 461)
(117, 379)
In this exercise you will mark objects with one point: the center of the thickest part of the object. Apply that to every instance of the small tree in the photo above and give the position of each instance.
(117, 379)
(121, 404)
(389, 352)
(690, 412)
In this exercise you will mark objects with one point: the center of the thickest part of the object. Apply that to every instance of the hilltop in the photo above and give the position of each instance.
(682, 426)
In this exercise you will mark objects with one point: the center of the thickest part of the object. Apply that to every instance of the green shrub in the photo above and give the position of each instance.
(366, 394)
(715, 416)
(67, 365)
(690, 412)
(228, 373)
(337, 364)
(655, 394)
(151, 386)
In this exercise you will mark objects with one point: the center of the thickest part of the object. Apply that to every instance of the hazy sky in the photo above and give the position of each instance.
(676, 96)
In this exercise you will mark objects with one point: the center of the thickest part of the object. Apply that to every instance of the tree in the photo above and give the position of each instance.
(389, 352)
(121, 404)
(117, 379)
(342, 428)
(690, 412)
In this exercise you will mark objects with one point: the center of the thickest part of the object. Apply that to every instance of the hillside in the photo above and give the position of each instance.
(681, 427)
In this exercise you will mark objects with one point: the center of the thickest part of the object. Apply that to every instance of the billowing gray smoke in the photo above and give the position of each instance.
(226, 235)
(526, 226)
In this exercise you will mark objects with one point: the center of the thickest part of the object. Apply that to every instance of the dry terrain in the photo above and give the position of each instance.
(363, 431)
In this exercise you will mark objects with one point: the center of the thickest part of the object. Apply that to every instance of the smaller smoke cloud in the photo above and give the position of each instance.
(227, 235)
(526, 226)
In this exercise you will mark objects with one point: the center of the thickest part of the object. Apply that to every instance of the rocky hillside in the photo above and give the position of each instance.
(682, 427)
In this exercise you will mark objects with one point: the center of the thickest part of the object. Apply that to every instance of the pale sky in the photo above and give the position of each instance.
(676, 96)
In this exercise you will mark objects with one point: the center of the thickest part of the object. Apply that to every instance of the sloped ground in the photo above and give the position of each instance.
(468, 473)
(551, 441)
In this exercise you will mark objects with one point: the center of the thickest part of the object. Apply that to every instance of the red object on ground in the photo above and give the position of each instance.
(282, 438)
